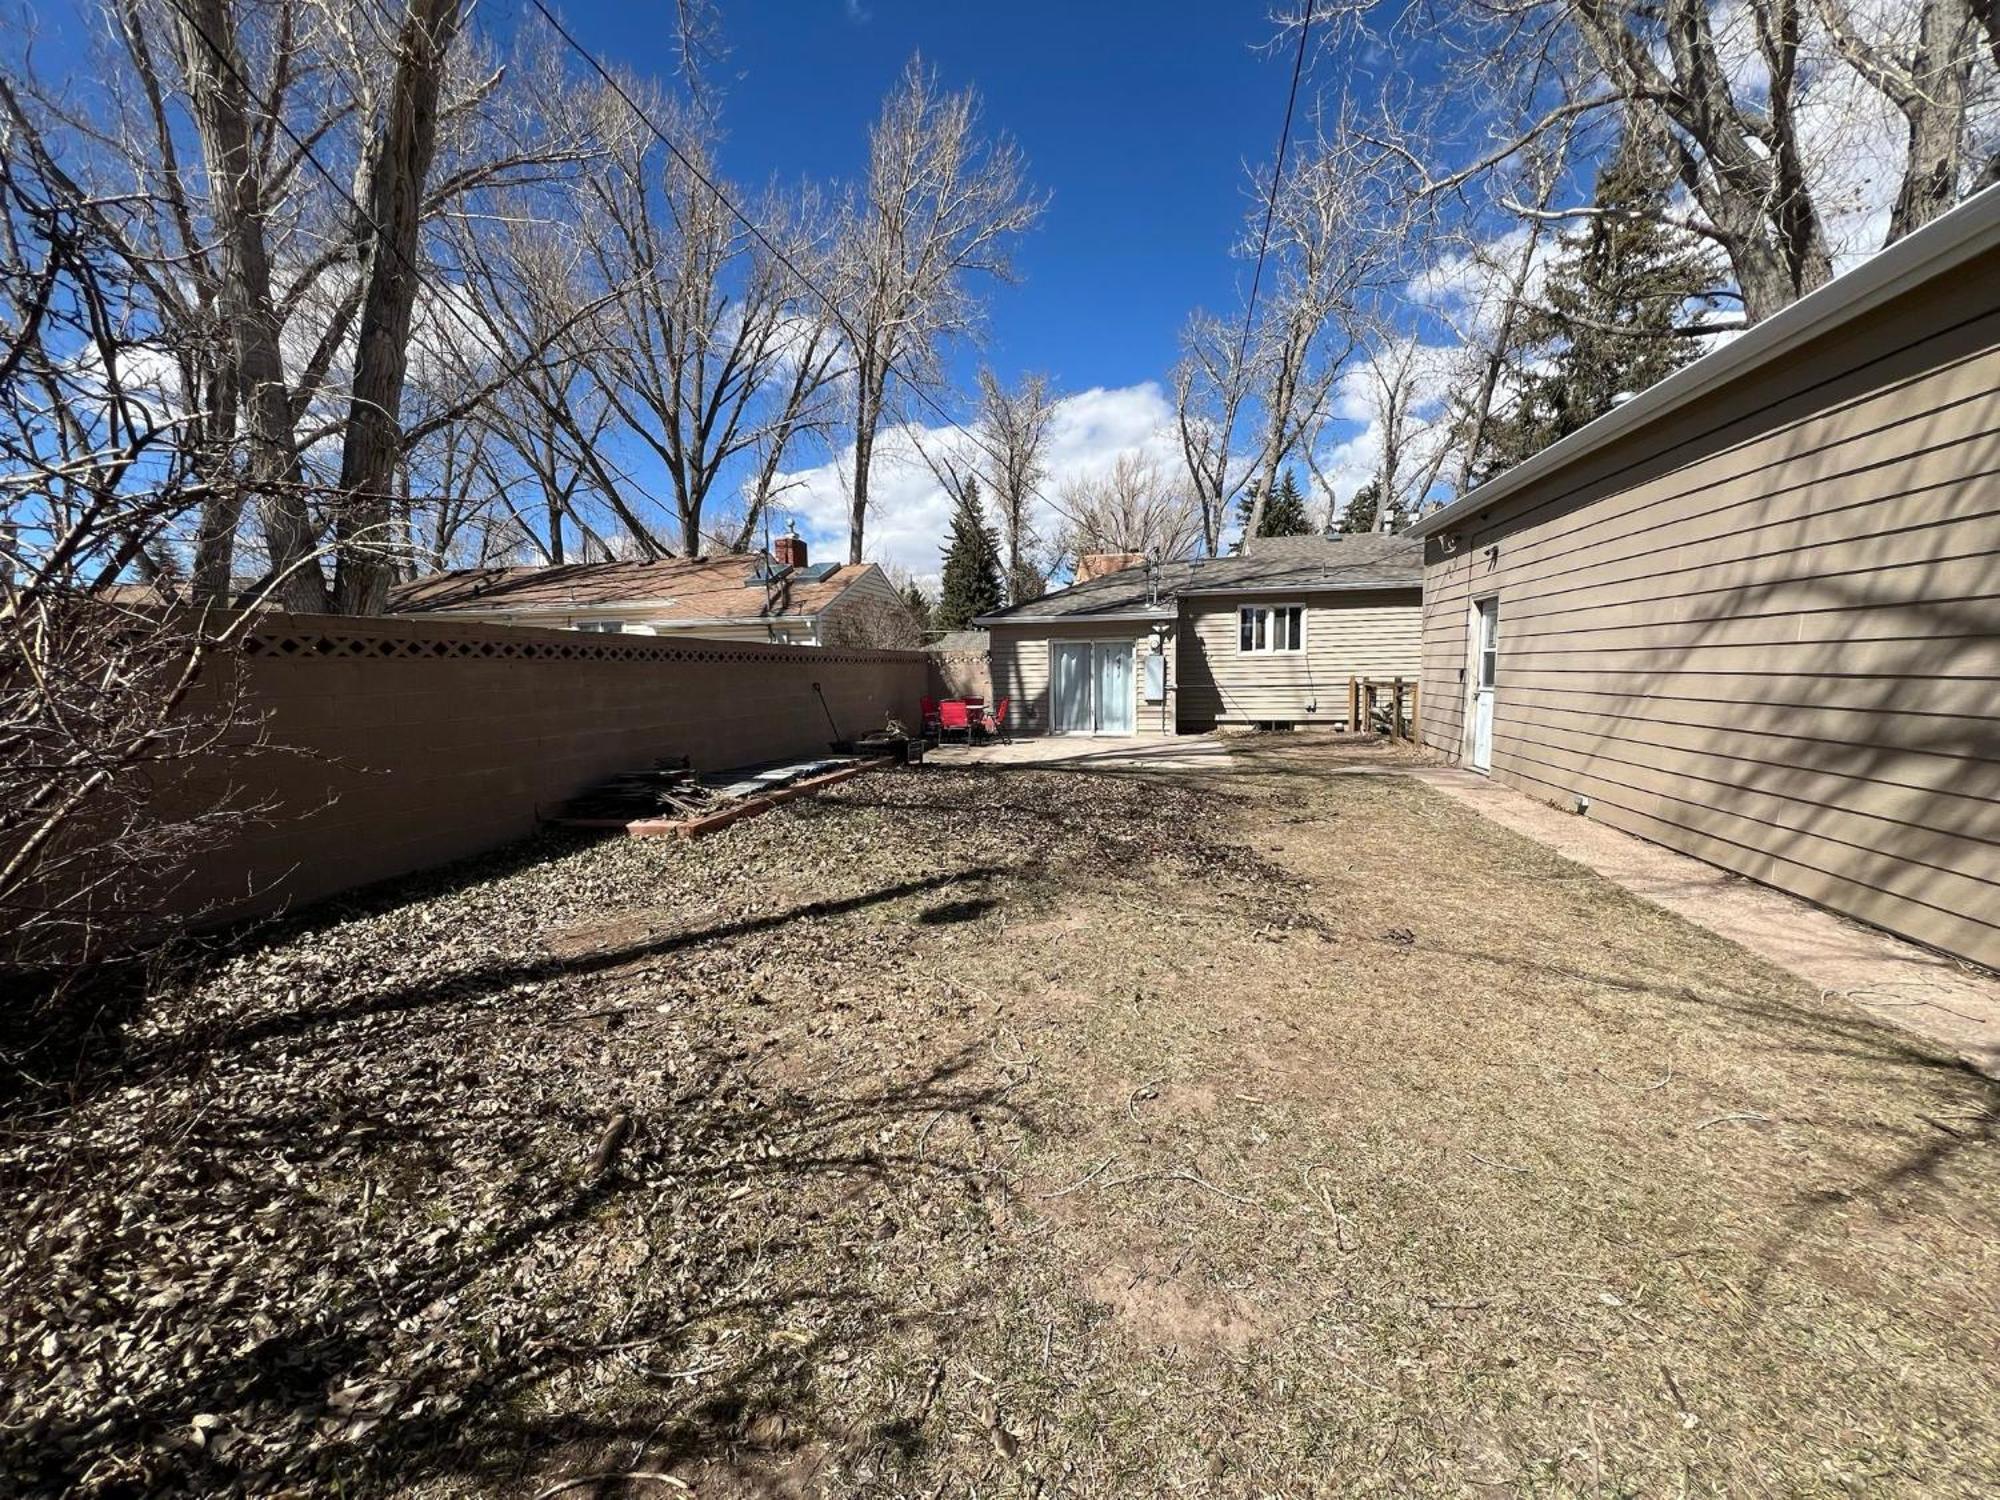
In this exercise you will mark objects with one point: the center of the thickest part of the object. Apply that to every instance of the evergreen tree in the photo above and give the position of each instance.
(1026, 583)
(971, 586)
(1284, 513)
(1364, 510)
(1360, 513)
(1613, 297)
(918, 603)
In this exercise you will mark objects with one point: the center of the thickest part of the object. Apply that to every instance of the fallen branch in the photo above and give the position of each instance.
(1144, 1090)
(1501, 1166)
(1082, 1181)
(643, 1476)
(1726, 1119)
(1182, 1176)
(616, 1134)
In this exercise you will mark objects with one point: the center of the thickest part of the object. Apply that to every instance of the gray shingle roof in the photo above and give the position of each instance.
(1305, 565)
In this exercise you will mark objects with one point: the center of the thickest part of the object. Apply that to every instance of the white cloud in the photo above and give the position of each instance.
(909, 510)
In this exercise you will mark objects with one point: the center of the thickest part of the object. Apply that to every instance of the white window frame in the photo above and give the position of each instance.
(602, 627)
(1258, 620)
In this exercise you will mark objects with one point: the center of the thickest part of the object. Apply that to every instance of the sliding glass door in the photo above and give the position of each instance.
(1090, 687)
(1114, 687)
(1071, 708)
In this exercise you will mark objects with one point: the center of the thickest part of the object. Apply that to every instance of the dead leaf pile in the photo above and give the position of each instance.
(330, 1211)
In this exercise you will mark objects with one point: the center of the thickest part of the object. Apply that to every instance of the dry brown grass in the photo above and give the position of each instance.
(1025, 1131)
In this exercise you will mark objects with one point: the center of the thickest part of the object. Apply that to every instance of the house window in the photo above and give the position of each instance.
(1271, 627)
(602, 627)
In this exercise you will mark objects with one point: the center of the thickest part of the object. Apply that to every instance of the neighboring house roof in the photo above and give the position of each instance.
(1313, 565)
(1941, 246)
(673, 588)
(960, 641)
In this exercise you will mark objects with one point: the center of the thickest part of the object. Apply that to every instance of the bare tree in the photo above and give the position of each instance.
(1766, 106)
(1403, 384)
(393, 175)
(1928, 77)
(97, 712)
(1212, 385)
(1013, 428)
(1326, 243)
(716, 348)
(272, 174)
(941, 207)
(1134, 506)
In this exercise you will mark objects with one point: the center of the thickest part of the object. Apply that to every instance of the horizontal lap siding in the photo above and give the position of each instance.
(1020, 665)
(1371, 635)
(1766, 630)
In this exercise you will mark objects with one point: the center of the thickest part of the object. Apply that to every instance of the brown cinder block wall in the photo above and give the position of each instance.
(396, 744)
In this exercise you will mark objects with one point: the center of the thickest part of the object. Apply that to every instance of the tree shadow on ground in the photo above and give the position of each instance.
(475, 1422)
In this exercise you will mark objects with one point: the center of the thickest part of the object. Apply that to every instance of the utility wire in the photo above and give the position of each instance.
(1277, 177)
(832, 305)
(1264, 237)
(480, 335)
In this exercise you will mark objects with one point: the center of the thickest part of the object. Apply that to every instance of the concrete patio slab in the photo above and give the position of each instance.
(1188, 752)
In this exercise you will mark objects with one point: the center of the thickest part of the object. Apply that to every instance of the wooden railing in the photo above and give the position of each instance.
(1393, 702)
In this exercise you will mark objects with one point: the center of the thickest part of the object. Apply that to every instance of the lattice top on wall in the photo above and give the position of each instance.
(285, 641)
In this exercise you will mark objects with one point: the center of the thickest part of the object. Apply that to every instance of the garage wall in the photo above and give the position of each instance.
(1348, 635)
(1765, 630)
(1020, 665)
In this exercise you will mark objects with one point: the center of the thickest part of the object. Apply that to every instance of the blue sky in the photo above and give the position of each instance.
(1140, 122)
(1138, 119)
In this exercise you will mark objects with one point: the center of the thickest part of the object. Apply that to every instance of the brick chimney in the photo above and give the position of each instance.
(1097, 564)
(790, 549)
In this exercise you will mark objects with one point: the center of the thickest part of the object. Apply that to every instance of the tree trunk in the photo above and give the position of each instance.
(867, 412)
(220, 105)
(1935, 109)
(400, 160)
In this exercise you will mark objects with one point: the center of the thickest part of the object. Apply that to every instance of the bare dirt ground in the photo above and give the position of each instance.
(1002, 1132)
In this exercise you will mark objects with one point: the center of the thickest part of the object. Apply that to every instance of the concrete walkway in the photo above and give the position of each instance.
(1894, 981)
(1185, 752)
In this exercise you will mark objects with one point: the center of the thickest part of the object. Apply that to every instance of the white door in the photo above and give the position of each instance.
(1070, 687)
(1114, 687)
(1486, 661)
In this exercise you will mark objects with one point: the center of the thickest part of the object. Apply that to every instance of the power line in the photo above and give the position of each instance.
(1264, 238)
(1277, 177)
(832, 305)
(381, 236)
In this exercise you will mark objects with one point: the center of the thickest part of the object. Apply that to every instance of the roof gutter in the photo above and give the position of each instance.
(987, 621)
(1949, 241)
(1308, 586)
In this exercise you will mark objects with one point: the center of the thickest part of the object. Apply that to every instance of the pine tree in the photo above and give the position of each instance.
(1284, 513)
(971, 586)
(1360, 513)
(918, 603)
(1026, 583)
(1613, 296)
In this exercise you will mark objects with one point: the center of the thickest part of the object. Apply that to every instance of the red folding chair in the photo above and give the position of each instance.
(994, 722)
(953, 716)
(928, 712)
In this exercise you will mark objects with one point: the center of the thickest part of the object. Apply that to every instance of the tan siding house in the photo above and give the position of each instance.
(1367, 635)
(1754, 614)
(1271, 637)
(1025, 660)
